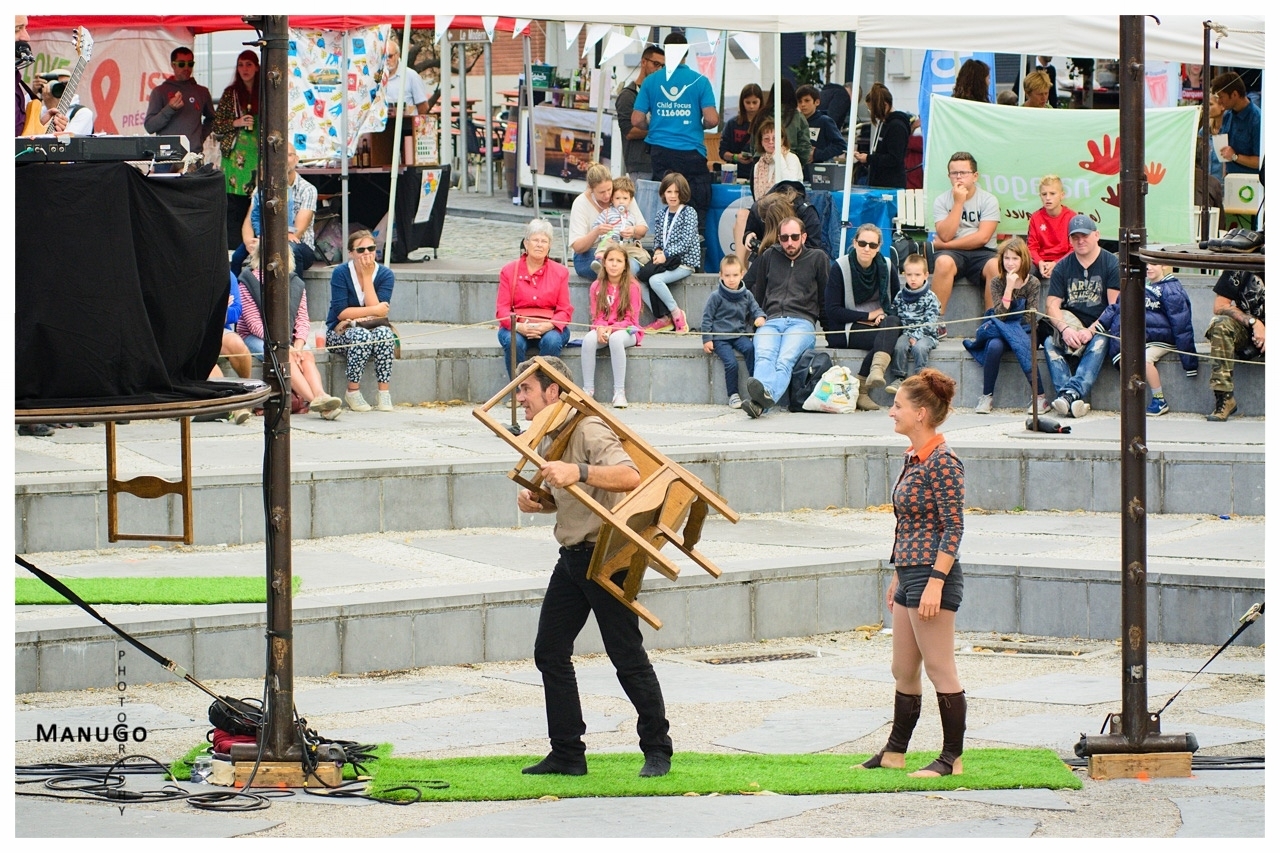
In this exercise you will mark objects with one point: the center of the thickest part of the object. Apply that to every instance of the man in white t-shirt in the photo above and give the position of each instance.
(965, 220)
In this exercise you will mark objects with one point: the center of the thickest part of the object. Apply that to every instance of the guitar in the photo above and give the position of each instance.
(84, 49)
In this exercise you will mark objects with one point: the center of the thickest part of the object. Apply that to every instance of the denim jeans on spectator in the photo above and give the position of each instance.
(1086, 372)
(779, 344)
(549, 344)
(303, 257)
(725, 349)
(909, 359)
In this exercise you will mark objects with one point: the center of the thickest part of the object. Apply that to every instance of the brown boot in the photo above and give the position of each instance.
(951, 707)
(879, 361)
(865, 403)
(906, 712)
(1224, 406)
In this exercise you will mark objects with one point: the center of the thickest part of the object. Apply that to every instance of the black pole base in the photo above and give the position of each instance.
(1118, 744)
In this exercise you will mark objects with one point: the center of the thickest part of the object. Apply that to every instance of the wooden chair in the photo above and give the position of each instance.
(633, 532)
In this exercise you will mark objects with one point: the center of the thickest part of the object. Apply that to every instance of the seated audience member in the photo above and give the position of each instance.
(973, 82)
(787, 281)
(775, 161)
(795, 127)
(587, 207)
(735, 141)
(1035, 89)
(889, 135)
(965, 219)
(676, 252)
(828, 145)
(536, 289)
(729, 318)
(305, 377)
(758, 230)
(1007, 98)
(359, 305)
(1083, 284)
(917, 311)
(302, 212)
(1167, 326)
(618, 217)
(1008, 327)
(1045, 64)
(859, 292)
(237, 353)
(1047, 239)
(1238, 330)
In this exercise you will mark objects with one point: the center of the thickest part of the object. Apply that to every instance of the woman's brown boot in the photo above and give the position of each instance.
(951, 706)
(906, 713)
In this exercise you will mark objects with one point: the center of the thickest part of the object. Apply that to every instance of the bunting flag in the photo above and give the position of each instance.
(522, 24)
(713, 38)
(675, 56)
(571, 32)
(615, 44)
(442, 26)
(749, 44)
(595, 32)
(490, 23)
(642, 34)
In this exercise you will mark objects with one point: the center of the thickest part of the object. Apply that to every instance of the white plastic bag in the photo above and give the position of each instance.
(837, 392)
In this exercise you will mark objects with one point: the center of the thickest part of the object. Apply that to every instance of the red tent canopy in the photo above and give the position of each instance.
(216, 23)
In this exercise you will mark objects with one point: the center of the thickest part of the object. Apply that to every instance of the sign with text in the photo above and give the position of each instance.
(1015, 147)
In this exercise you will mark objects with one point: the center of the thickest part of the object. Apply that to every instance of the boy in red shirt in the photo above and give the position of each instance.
(1047, 238)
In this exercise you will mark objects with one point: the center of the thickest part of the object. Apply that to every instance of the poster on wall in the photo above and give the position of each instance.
(317, 78)
(1082, 147)
(126, 65)
(563, 147)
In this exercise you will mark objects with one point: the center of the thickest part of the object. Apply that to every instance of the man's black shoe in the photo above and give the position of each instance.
(1243, 241)
(759, 393)
(752, 408)
(38, 430)
(656, 765)
(559, 766)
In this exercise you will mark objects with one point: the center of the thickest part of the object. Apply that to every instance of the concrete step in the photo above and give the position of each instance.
(425, 600)
(443, 363)
(422, 468)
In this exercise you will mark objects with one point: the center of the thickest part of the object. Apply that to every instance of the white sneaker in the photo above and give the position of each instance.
(1079, 408)
(595, 266)
(735, 402)
(984, 405)
(384, 402)
(619, 400)
(1044, 405)
(356, 403)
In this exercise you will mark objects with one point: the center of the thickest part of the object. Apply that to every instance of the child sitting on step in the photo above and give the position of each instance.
(728, 321)
(918, 310)
(614, 301)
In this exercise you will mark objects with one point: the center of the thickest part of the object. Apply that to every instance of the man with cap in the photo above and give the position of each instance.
(1082, 285)
(79, 117)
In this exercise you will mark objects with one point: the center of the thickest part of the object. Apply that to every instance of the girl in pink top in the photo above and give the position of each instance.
(615, 304)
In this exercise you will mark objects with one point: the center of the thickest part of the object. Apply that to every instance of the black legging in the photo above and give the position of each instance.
(873, 338)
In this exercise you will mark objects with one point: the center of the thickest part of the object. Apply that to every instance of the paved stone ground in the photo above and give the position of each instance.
(496, 709)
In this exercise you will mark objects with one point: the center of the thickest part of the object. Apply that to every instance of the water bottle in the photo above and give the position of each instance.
(202, 769)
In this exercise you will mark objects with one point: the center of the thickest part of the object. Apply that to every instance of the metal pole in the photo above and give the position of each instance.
(488, 113)
(1202, 193)
(344, 167)
(527, 130)
(279, 733)
(396, 145)
(852, 140)
(446, 100)
(464, 122)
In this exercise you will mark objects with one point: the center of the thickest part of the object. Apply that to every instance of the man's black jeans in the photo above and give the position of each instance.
(570, 597)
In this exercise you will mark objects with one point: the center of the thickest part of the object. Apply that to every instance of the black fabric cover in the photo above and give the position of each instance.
(121, 285)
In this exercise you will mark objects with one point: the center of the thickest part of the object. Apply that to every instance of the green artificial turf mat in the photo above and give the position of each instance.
(614, 775)
(229, 590)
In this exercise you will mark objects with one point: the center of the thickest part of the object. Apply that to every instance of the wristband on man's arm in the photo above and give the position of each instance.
(582, 472)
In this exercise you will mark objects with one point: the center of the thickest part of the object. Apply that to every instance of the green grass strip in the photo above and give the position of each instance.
(614, 775)
(114, 590)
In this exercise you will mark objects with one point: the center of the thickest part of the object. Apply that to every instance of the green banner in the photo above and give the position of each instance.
(1016, 146)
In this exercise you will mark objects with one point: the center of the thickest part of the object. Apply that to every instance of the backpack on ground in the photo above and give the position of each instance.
(805, 377)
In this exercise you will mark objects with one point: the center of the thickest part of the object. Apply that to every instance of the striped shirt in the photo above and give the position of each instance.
(928, 502)
(250, 322)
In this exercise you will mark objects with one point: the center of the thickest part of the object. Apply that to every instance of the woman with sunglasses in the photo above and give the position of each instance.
(359, 302)
(860, 289)
(235, 126)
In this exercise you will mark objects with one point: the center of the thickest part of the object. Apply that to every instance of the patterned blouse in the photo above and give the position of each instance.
(928, 502)
(676, 234)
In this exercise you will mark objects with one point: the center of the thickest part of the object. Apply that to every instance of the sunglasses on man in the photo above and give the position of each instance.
(182, 63)
(787, 238)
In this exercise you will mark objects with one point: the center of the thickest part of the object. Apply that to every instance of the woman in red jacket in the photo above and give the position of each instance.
(536, 289)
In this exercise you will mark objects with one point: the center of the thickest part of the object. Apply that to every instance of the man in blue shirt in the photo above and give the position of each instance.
(676, 109)
(1241, 122)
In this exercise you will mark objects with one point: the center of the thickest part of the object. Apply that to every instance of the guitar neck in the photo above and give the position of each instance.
(69, 92)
